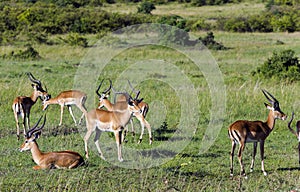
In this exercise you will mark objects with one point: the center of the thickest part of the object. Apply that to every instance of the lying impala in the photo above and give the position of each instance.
(243, 131)
(121, 105)
(22, 105)
(296, 133)
(49, 160)
(68, 98)
(111, 121)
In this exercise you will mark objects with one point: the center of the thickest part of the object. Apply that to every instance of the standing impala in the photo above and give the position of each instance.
(121, 105)
(296, 133)
(49, 160)
(68, 98)
(22, 105)
(110, 121)
(243, 131)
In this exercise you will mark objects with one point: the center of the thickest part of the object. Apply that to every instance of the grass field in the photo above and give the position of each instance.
(187, 170)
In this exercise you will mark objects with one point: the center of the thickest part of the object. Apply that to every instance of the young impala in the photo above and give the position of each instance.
(49, 160)
(111, 121)
(22, 105)
(243, 131)
(68, 98)
(296, 133)
(121, 105)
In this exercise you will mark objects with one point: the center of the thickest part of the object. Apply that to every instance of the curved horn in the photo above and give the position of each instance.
(34, 128)
(137, 91)
(34, 80)
(108, 89)
(289, 125)
(266, 93)
(97, 91)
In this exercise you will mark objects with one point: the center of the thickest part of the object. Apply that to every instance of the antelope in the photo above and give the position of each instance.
(100, 120)
(243, 131)
(49, 160)
(121, 105)
(22, 105)
(68, 98)
(144, 108)
(296, 133)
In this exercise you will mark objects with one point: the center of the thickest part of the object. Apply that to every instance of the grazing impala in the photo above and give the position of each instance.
(144, 108)
(121, 105)
(49, 160)
(22, 105)
(111, 121)
(296, 133)
(68, 98)
(243, 131)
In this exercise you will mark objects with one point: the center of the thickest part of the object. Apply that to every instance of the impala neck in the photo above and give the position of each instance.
(52, 101)
(36, 153)
(107, 104)
(34, 96)
(271, 120)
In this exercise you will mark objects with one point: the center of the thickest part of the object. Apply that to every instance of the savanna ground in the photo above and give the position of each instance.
(189, 170)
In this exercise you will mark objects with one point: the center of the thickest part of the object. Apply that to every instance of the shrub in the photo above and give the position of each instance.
(29, 53)
(75, 39)
(282, 65)
(145, 7)
(210, 43)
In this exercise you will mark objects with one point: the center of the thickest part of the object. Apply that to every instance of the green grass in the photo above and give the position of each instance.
(189, 170)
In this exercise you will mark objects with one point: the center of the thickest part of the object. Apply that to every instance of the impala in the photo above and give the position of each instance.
(110, 121)
(121, 105)
(296, 133)
(22, 105)
(144, 108)
(49, 160)
(68, 98)
(243, 131)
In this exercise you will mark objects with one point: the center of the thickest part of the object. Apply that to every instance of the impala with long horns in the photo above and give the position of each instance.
(100, 120)
(22, 105)
(68, 98)
(49, 160)
(243, 131)
(121, 105)
(296, 133)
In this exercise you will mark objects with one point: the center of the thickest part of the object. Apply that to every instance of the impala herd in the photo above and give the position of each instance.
(115, 118)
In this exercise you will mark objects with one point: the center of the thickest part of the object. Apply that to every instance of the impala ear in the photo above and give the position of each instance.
(268, 106)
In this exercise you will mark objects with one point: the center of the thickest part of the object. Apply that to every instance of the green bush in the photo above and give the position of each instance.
(282, 65)
(28, 54)
(210, 43)
(75, 39)
(145, 7)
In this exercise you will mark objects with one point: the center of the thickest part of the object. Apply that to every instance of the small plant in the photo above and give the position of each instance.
(210, 43)
(282, 65)
(29, 53)
(75, 39)
(146, 7)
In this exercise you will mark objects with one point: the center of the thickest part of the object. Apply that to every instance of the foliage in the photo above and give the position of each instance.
(282, 65)
(212, 2)
(75, 39)
(28, 54)
(174, 20)
(210, 43)
(146, 7)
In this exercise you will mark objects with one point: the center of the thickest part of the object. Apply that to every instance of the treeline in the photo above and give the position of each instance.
(33, 20)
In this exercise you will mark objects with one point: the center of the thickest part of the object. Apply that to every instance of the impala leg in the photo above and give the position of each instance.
(71, 113)
(84, 111)
(17, 124)
(299, 151)
(118, 135)
(241, 149)
(61, 114)
(86, 138)
(233, 145)
(253, 157)
(262, 157)
(96, 140)
(132, 128)
(149, 131)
